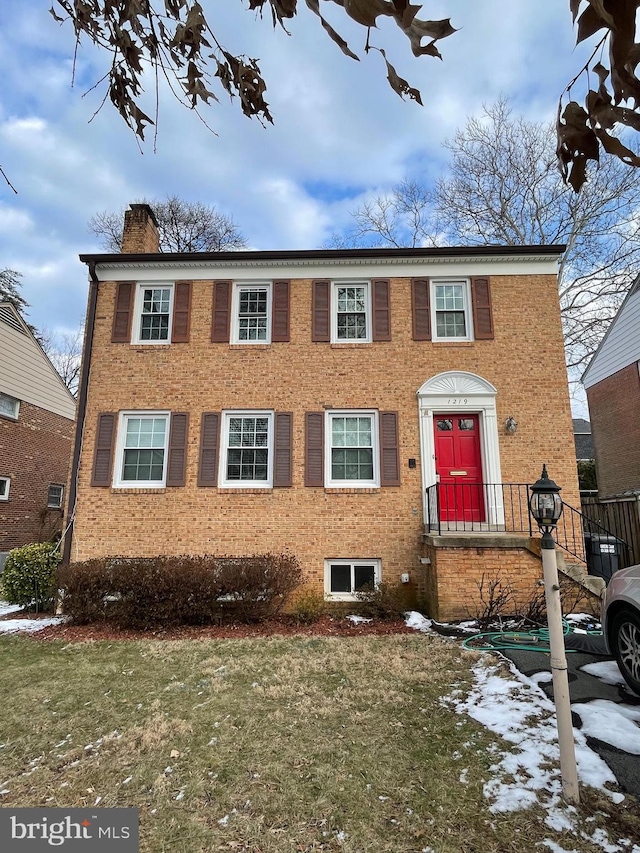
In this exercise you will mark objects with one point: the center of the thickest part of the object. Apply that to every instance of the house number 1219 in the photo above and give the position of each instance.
(456, 401)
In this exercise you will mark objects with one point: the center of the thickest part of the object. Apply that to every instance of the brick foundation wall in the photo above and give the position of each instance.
(301, 376)
(35, 452)
(613, 408)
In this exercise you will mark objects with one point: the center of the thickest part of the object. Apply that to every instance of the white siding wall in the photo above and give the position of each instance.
(621, 346)
(25, 373)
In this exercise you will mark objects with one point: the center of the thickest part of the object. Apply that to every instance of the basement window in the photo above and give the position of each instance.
(343, 579)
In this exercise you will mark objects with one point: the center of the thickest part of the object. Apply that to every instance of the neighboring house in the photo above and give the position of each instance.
(36, 430)
(583, 440)
(365, 409)
(612, 383)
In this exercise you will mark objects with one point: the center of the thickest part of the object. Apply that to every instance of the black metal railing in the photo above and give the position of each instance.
(480, 507)
(504, 507)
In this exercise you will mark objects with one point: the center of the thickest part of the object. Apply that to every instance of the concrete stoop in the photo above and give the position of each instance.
(443, 590)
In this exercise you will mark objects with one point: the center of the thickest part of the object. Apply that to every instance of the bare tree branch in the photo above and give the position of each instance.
(183, 226)
(501, 186)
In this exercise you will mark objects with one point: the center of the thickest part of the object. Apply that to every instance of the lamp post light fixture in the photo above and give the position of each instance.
(545, 505)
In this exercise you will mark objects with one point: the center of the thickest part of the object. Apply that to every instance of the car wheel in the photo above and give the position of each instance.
(625, 644)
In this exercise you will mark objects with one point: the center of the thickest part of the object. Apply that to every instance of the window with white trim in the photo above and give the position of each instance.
(9, 406)
(251, 312)
(152, 314)
(55, 496)
(451, 311)
(141, 450)
(5, 482)
(343, 579)
(247, 450)
(351, 458)
(351, 312)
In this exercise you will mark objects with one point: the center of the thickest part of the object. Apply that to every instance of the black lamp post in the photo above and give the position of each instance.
(545, 505)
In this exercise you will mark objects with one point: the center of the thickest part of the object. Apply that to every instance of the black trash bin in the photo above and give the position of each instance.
(603, 554)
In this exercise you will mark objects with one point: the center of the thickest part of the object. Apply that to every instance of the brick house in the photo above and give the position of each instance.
(612, 383)
(376, 411)
(37, 415)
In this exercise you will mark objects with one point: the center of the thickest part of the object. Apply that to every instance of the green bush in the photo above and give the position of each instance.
(587, 475)
(147, 592)
(29, 576)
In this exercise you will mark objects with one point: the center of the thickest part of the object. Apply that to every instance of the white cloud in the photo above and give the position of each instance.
(340, 131)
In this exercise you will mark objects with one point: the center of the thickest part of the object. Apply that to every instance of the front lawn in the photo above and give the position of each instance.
(260, 745)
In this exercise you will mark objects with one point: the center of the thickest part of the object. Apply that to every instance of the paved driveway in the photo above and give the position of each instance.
(604, 723)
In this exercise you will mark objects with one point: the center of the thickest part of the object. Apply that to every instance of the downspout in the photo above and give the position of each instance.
(82, 409)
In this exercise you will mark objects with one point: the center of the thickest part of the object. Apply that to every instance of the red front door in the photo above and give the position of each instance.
(459, 466)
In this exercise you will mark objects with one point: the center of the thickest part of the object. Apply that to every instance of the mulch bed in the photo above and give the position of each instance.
(282, 626)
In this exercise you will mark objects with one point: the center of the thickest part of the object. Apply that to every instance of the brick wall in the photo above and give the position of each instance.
(525, 362)
(613, 408)
(35, 451)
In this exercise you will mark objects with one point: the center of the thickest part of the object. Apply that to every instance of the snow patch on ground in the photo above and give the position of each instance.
(15, 626)
(416, 620)
(516, 709)
(605, 670)
(611, 723)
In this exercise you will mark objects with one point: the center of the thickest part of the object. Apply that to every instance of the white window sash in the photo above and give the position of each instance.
(137, 311)
(352, 564)
(225, 483)
(235, 311)
(118, 481)
(58, 504)
(4, 494)
(328, 456)
(334, 312)
(15, 406)
(468, 314)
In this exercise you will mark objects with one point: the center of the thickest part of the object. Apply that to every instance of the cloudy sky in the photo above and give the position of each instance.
(340, 132)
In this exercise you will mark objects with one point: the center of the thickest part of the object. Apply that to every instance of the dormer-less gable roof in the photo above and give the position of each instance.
(620, 346)
(27, 374)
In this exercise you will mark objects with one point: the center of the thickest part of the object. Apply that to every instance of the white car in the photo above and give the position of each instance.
(621, 623)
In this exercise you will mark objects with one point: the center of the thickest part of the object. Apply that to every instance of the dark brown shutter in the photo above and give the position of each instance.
(381, 310)
(177, 461)
(280, 312)
(221, 313)
(313, 450)
(420, 309)
(389, 450)
(121, 331)
(208, 467)
(103, 455)
(283, 449)
(482, 314)
(181, 313)
(321, 329)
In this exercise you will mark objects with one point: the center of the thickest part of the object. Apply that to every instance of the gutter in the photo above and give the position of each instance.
(81, 411)
(327, 254)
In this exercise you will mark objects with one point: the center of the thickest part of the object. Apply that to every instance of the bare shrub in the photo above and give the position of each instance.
(494, 602)
(384, 601)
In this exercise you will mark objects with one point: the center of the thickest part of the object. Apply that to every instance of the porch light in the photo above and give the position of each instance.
(511, 425)
(545, 506)
(545, 502)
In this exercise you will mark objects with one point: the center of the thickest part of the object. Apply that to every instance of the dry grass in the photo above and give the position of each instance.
(264, 746)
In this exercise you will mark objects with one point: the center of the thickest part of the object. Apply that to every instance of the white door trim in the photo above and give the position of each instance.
(460, 391)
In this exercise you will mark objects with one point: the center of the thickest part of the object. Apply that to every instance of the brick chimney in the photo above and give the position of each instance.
(140, 232)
